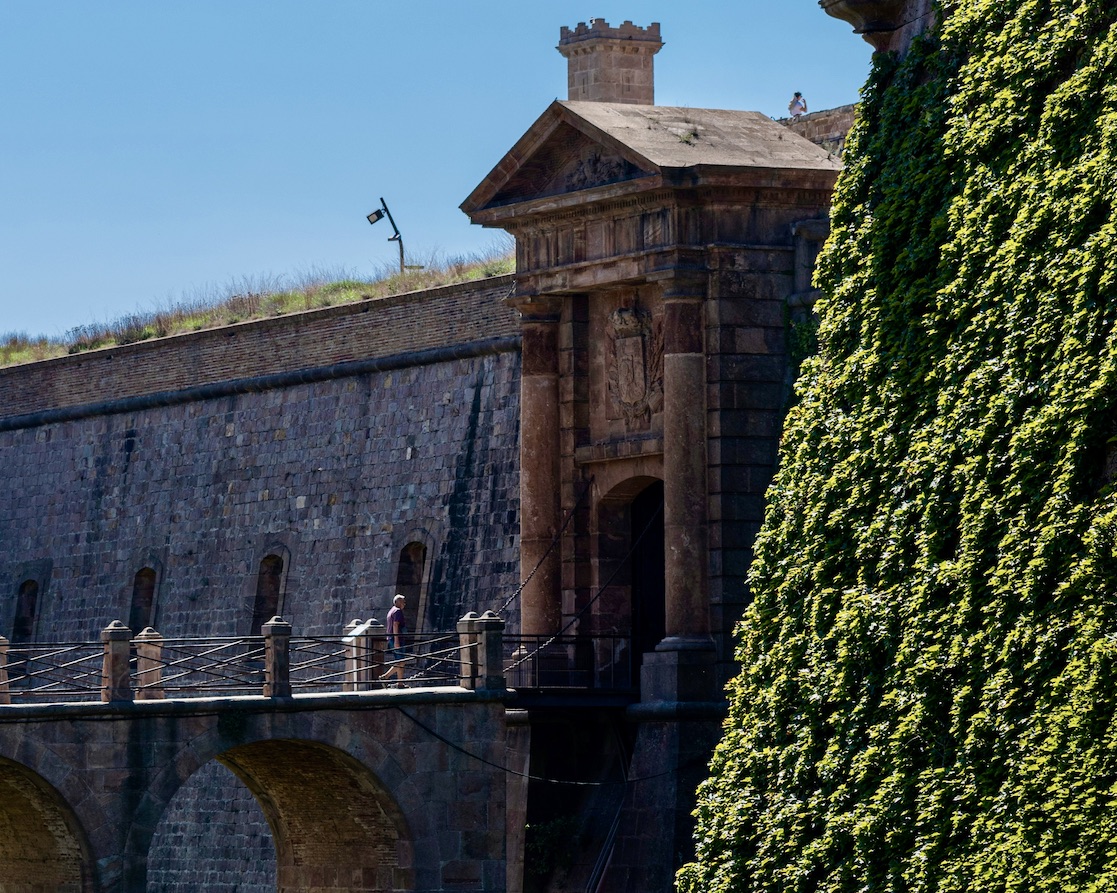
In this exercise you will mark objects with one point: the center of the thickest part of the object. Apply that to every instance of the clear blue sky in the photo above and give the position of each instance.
(155, 150)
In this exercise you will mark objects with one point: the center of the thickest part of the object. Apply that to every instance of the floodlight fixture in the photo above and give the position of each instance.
(379, 214)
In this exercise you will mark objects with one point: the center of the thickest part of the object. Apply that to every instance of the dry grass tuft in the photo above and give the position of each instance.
(257, 298)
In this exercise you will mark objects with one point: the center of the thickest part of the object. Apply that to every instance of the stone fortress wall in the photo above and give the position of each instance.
(333, 441)
(827, 128)
(336, 438)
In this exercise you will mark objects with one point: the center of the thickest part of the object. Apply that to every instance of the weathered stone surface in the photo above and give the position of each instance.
(341, 819)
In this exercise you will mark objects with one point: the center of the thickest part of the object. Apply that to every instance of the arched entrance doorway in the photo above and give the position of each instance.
(42, 847)
(630, 564)
(648, 587)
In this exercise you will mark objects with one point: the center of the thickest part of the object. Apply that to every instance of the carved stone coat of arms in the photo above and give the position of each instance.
(635, 366)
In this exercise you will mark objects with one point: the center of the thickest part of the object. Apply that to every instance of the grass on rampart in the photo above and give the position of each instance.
(255, 298)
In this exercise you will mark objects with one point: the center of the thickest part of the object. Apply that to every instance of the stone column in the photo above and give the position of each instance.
(116, 685)
(277, 658)
(149, 666)
(684, 467)
(490, 652)
(541, 600)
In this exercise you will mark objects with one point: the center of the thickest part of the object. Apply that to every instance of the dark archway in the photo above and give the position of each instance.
(211, 836)
(27, 610)
(649, 623)
(334, 826)
(409, 583)
(269, 586)
(140, 614)
(630, 563)
(42, 845)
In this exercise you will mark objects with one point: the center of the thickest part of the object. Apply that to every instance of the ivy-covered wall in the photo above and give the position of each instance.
(929, 666)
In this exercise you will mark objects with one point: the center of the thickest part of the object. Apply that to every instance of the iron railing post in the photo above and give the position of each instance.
(149, 666)
(115, 682)
(277, 658)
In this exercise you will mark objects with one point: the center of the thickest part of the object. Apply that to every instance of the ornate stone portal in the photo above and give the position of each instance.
(655, 255)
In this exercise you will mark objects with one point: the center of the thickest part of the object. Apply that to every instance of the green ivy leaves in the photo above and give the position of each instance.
(928, 691)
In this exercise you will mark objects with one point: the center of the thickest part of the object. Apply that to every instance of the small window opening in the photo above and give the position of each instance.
(409, 581)
(143, 599)
(27, 606)
(268, 584)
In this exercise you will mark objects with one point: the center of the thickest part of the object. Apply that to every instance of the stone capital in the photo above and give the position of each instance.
(875, 20)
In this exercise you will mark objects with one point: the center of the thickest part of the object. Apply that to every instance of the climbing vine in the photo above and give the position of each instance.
(929, 666)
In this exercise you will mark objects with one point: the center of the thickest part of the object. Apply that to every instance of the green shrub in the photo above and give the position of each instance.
(928, 688)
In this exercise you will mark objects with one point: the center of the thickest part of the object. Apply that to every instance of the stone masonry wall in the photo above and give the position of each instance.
(827, 128)
(333, 470)
(335, 475)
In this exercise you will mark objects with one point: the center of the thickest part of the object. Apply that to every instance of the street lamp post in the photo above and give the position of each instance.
(379, 214)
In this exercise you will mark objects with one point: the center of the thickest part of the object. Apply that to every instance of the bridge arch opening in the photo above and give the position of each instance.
(333, 827)
(42, 846)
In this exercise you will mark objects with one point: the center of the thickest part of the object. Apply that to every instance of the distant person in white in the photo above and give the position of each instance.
(797, 106)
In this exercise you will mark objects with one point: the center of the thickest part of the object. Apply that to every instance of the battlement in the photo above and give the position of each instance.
(600, 29)
(606, 64)
(827, 128)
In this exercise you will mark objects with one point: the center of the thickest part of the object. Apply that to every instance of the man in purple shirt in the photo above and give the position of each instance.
(397, 648)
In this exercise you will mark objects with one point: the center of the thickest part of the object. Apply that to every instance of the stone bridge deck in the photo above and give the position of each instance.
(383, 790)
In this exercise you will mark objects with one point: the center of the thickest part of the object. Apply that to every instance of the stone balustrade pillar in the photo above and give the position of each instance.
(490, 652)
(684, 467)
(540, 508)
(5, 692)
(277, 658)
(467, 650)
(482, 652)
(361, 652)
(116, 685)
(149, 666)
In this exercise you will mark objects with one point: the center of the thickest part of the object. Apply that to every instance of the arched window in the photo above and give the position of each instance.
(143, 600)
(27, 607)
(409, 582)
(269, 584)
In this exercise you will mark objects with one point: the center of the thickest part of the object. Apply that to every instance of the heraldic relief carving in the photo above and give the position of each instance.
(594, 168)
(635, 366)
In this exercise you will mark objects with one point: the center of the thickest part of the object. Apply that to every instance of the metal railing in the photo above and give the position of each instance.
(276, 664)
(600, 663)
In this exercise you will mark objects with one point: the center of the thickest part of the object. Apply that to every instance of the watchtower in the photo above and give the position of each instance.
(607, 64)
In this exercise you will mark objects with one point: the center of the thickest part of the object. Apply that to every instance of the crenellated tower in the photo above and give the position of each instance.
(606, 64)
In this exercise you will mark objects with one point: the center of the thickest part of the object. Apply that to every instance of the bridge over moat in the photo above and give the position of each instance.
(364, 788)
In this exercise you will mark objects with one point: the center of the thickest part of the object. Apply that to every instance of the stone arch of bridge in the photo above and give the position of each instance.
(43, 845)
(343, 814)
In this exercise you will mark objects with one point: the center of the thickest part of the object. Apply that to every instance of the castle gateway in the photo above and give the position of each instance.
(582, 448)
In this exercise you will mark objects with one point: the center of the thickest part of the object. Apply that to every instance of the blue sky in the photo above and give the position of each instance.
(155, 151)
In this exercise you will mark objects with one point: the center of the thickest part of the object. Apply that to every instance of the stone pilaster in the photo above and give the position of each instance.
(684, 468)
(540, 556)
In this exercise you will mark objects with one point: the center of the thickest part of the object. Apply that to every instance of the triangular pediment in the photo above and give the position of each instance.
(621, 148)
(559, 155)
(568, 161)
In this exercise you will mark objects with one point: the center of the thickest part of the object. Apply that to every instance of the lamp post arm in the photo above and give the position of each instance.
(395, 229)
